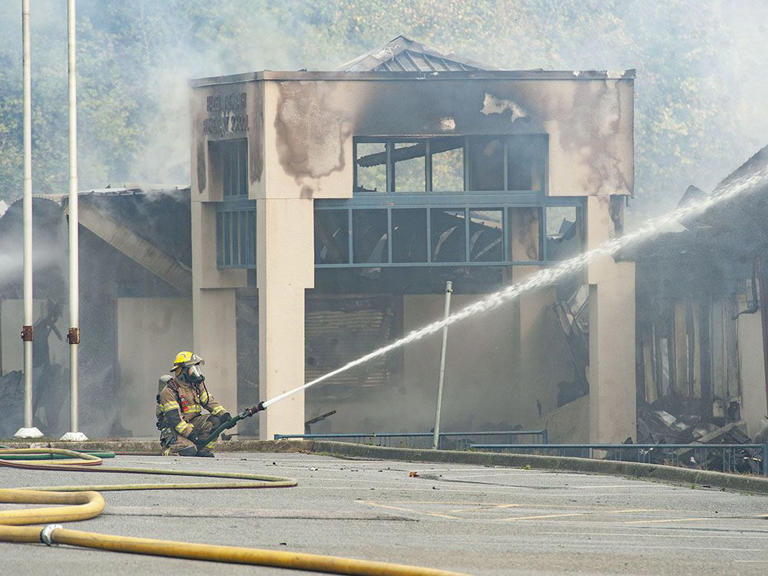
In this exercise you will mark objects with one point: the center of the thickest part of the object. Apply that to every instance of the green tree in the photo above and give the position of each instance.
(699, 73)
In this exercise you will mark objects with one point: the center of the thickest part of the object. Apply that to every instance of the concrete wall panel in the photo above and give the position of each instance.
(215, 339)
(150, 332)
(569, 424)
(753, 405)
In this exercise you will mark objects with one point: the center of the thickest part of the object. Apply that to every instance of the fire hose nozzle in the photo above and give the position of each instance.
(226, 425)
(248, 412)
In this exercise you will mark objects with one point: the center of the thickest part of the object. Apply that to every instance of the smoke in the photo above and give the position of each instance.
(701, 72)
(752, 183)
(11, 264)
(45, 257)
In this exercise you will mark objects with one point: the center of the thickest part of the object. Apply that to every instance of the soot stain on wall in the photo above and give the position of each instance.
(256, 133)
(421, 108)
(202, 180)
(600, 129)
(590, 117)
(310, 131)
(200, 155)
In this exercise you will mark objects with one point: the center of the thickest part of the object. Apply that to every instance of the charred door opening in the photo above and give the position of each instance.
(341, 328)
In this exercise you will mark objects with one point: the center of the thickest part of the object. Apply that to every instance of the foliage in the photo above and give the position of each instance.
(693, 60)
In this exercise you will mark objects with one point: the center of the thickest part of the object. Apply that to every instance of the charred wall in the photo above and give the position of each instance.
(226, 112)
(589, 123)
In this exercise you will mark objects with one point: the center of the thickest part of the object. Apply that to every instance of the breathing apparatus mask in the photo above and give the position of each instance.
(194, 375)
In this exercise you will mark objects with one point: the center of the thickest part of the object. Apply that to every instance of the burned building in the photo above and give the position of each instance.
(702, 321)
(328, 209)
(135, 285)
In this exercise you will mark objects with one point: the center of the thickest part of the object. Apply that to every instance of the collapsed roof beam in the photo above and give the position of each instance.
(144, 253)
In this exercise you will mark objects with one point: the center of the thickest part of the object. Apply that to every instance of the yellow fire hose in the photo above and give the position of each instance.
(84, 502)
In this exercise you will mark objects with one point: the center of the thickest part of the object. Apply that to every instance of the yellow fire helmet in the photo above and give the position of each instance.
(185, 359)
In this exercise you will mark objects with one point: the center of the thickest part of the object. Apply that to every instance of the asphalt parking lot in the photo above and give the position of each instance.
(465, 518)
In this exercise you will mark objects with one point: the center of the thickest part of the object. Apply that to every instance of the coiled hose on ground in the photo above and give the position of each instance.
(84, 502)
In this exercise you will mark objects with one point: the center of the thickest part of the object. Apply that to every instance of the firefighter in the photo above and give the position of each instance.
(180, 404)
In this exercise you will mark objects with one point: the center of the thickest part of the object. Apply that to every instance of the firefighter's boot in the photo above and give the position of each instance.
(188, 451)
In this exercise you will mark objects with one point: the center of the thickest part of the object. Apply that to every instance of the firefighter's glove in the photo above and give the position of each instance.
(226, 417)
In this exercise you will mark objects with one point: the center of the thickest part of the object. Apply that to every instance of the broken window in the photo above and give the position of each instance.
(409, 167)
(486, 238)
(409, 235)
(371, 167)
(486, 164)
(370, 236)
(331, 237)
(423, 209)
(447, 155)
(448, 235)
(441, 164)
(526, 162)
(524, 234)
(229, 165)
(564, 232)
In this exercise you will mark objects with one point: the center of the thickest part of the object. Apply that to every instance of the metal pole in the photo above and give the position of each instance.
(436, 437)
(73, 336)
(28, 431)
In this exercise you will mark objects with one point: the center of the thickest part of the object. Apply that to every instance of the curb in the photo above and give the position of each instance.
(654, 472)
(638, 470)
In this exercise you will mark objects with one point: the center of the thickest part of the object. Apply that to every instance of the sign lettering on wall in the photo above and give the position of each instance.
(226, 115)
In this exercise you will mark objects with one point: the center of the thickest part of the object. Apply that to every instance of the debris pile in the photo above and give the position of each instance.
(657, 426)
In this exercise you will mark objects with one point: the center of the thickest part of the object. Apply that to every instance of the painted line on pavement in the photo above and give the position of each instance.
(670, 520)
(409, 510)
(665, 535)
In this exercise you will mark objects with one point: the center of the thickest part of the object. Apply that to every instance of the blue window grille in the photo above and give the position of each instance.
(236, 234)
(235, 215)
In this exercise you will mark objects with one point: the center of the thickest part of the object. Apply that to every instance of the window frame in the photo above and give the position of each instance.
(467, 204)
(468, 139)
(235, 218)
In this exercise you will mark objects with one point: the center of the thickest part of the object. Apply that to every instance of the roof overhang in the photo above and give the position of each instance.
(304, 76)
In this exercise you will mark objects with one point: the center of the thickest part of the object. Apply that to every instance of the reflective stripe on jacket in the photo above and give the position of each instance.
(181, 402)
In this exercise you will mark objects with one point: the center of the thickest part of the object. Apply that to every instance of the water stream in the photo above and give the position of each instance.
(548, 276)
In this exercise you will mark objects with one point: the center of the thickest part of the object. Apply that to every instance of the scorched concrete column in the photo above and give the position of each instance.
(285, 269)
(612, 394)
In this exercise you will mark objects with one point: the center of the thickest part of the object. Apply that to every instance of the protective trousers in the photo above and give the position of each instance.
(178, 442)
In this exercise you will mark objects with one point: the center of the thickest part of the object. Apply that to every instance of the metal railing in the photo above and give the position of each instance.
(738, 458)
(447, 440)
